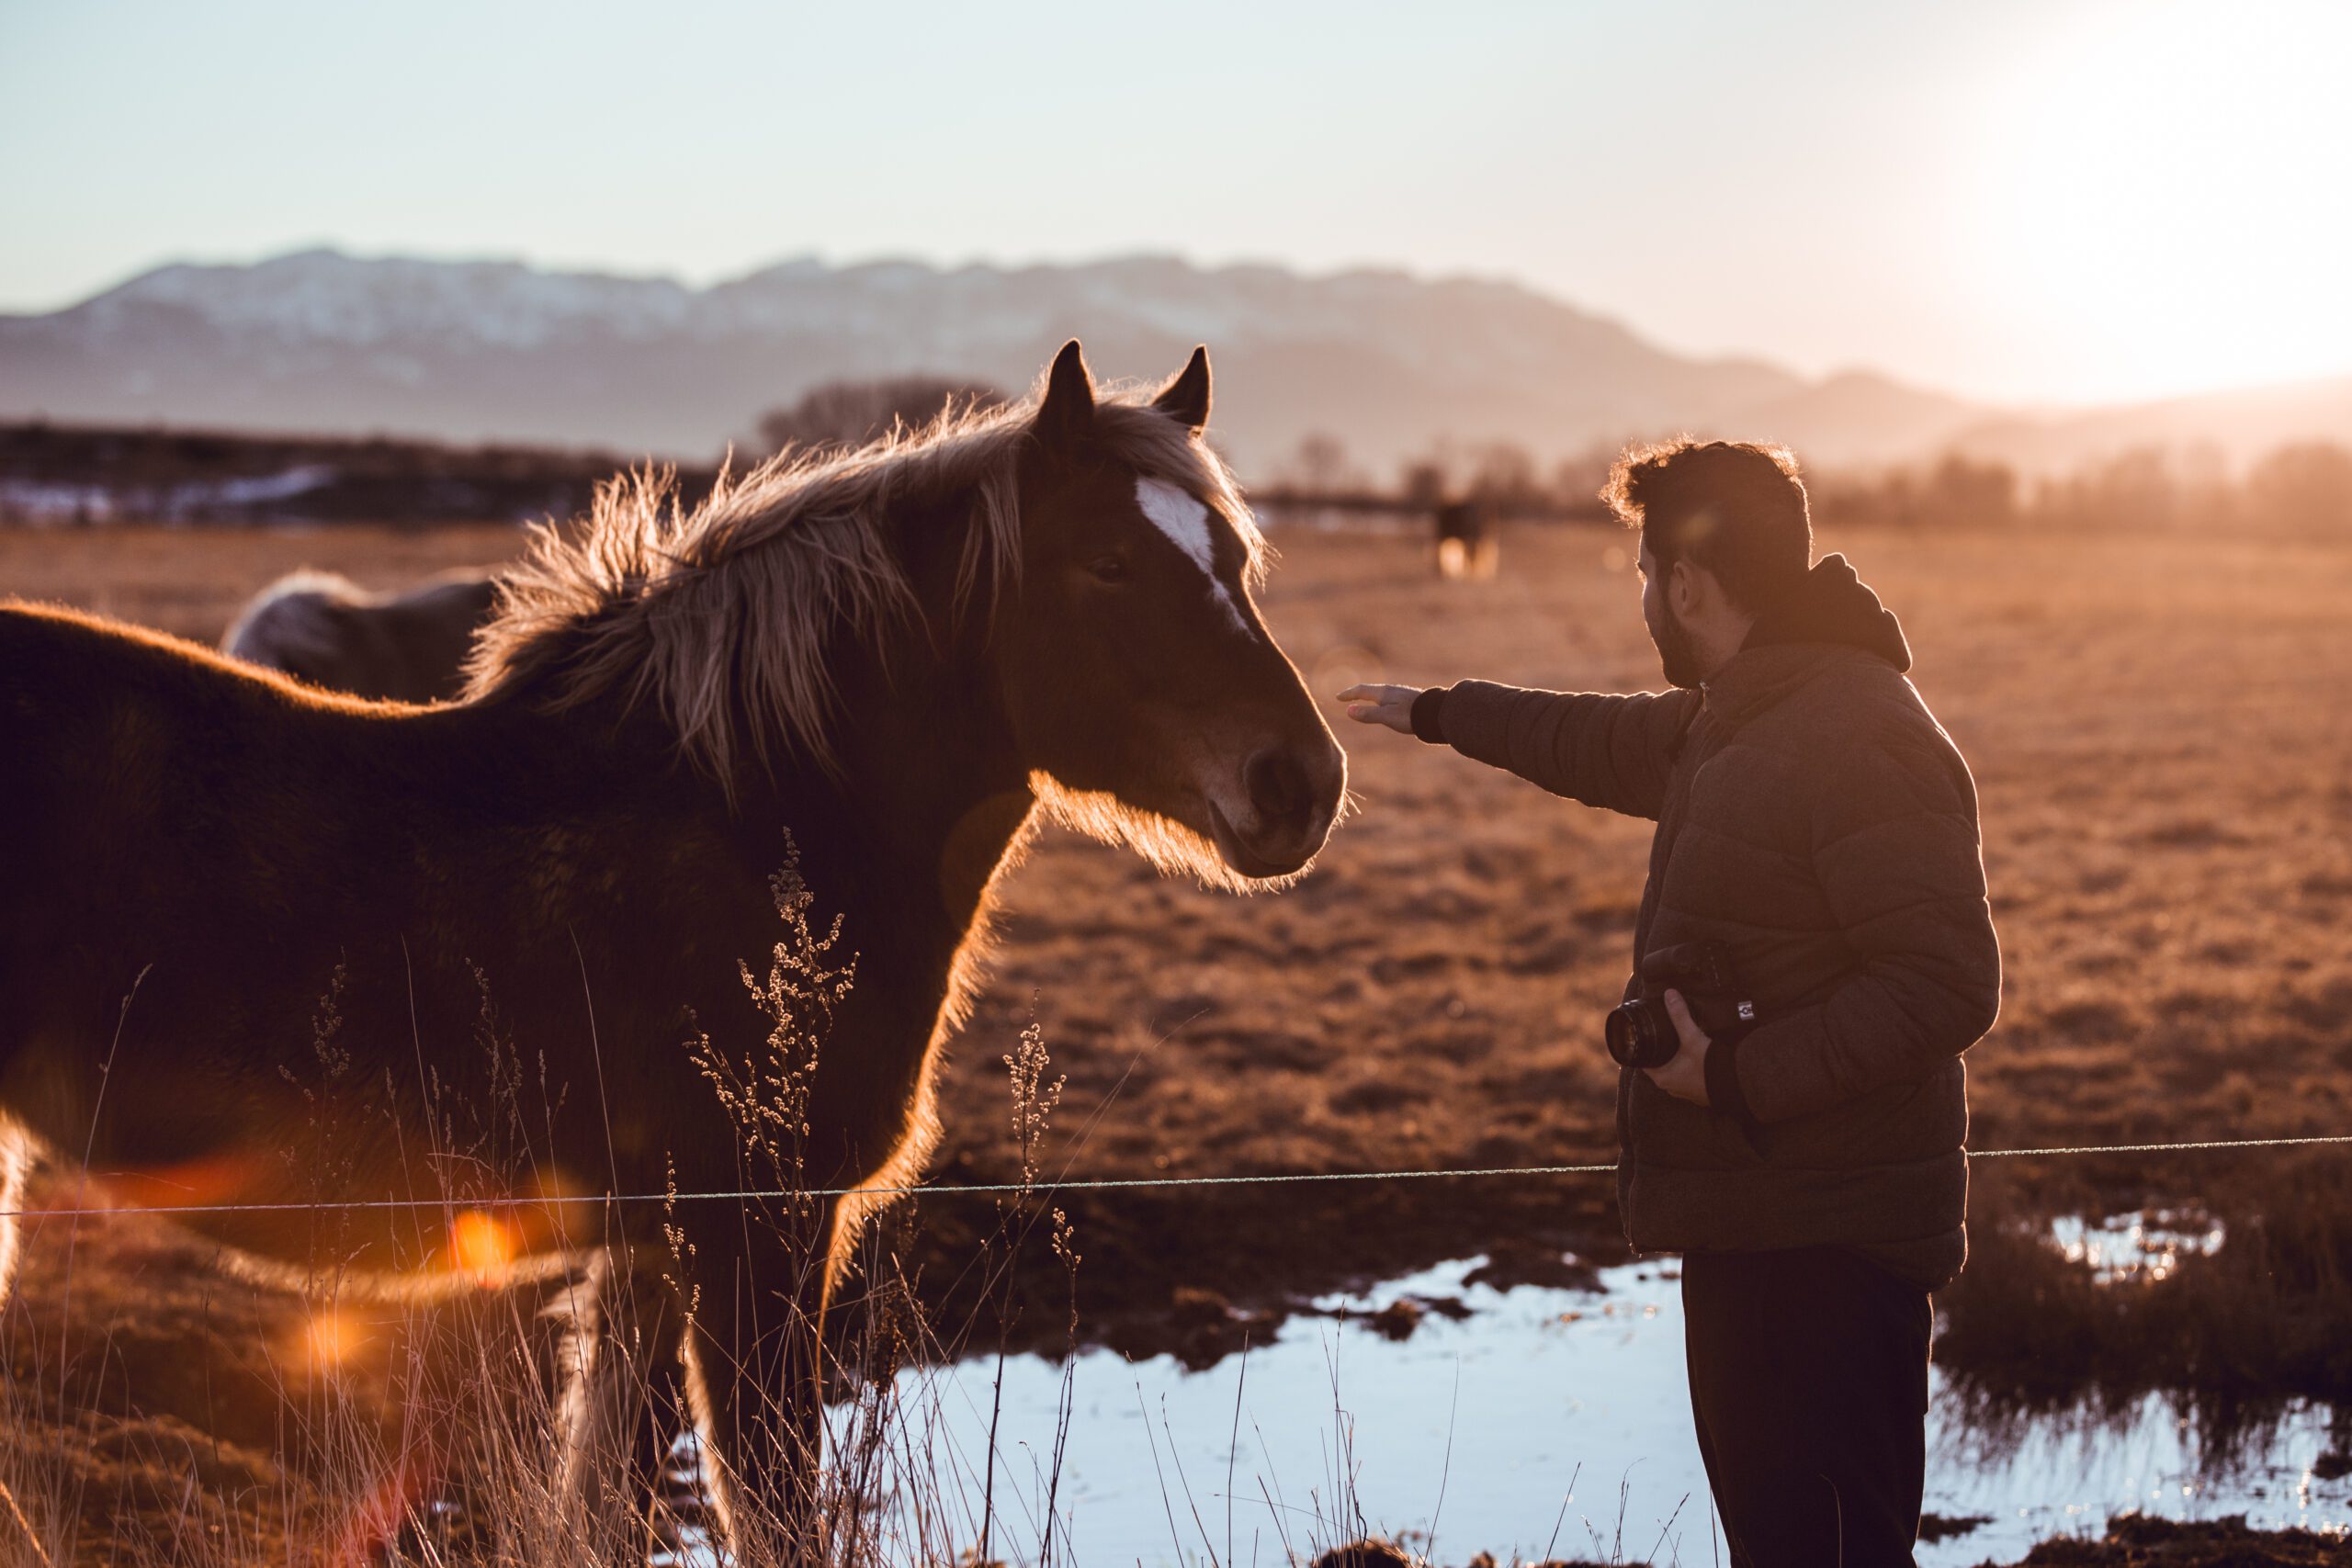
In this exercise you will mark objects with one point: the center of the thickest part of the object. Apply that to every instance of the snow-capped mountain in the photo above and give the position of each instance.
(1390, 364)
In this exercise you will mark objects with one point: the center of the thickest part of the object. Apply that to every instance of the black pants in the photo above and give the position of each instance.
(1809, 1384)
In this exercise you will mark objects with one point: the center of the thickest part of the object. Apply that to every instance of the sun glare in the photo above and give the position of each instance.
(332, 1338)
(482, 1246)
(2163, 197)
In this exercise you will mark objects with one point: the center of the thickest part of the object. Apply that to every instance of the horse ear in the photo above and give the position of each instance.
(1066, 412)
(1187, 397)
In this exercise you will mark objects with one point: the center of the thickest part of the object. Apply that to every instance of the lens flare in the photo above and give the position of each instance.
(332, 1338)
(482, 1246)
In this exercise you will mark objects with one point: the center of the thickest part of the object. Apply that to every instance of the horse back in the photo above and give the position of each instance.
(127, 745)
(255, 866)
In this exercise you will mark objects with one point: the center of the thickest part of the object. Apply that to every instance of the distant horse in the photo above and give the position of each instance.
(904, 657)
(1467, 546)
(410, 647)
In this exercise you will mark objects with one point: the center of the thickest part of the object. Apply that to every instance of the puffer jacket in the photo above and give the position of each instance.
(1815, 820)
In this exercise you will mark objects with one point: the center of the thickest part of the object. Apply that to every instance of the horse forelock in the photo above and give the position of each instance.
(724, 616)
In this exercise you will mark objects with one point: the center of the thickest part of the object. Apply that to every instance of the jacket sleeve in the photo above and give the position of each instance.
(1896, 851)
(1611, 752)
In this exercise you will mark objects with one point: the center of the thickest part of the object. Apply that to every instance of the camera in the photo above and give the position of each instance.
(1640, 1034)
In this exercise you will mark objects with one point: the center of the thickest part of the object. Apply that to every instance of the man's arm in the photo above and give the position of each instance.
(1611, 752)
(1895, 848)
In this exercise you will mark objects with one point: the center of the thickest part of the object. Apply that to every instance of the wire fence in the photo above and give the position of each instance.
(1046, 1188)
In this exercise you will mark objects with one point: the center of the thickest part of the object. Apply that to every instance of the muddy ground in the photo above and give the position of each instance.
(2164, 745)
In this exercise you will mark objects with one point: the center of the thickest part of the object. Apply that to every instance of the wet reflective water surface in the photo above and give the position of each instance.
(1531, 1422)
(1543, 1423)
(2126, 1248)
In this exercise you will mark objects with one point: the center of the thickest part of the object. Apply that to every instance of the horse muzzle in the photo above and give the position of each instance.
(1279, 819)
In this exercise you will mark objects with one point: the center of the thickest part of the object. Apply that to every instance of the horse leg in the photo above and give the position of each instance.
(620, 1389)
(755, 1362)
(16, 1167)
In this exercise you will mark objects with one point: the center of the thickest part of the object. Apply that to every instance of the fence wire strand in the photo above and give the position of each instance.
(1052, 1188)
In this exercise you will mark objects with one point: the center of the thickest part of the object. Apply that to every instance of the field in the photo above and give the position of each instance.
(2163, 739)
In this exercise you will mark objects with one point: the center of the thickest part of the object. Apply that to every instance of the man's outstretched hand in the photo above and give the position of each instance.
(1391, 706)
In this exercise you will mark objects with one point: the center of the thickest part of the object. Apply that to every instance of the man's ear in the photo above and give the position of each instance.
(1187, 397)
(1707, 594)
(1681, 586)
(1698, 591)
(1066, 414)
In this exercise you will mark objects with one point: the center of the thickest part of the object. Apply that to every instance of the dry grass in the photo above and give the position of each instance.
(2163, 740)
(2136, 1542)
(163, 1406)
(2230, 1338)
(2160, 731)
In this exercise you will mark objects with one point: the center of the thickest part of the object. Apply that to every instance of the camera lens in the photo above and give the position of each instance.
(1639, 1034)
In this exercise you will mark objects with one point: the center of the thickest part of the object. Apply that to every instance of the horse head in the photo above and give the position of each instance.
(1149, 701)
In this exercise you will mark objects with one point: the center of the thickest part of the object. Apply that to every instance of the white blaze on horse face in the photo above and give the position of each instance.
(1185, 520)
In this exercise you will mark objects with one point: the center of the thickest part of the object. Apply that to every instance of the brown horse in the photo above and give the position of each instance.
(1466, 544)
(901, 657)
(410, 647)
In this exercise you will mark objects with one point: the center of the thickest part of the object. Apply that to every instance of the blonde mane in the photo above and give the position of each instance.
(724, 617)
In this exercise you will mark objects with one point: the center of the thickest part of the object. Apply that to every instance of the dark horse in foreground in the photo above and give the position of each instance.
(900, 658)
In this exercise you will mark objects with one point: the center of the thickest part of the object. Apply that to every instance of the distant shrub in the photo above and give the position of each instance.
(851, 414)
(2303, 489)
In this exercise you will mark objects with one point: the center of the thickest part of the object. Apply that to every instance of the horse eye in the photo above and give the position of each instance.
(1110, 568)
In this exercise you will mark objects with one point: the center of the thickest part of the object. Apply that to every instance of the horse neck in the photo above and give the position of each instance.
(926, 785)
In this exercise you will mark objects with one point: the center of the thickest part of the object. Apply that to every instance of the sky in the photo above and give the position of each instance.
(2038, 201)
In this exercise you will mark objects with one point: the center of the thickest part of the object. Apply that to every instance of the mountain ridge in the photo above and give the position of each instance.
(500, 349)
(1395, 365)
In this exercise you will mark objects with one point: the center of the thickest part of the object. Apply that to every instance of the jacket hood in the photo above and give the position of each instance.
(1833, 605)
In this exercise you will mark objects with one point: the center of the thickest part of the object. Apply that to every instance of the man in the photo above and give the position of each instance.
(1818, 827)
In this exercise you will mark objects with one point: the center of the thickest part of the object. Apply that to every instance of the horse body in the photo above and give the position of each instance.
(323, 910)
(262, 850)
(1467, 545)
(272, 846)
(598, 896)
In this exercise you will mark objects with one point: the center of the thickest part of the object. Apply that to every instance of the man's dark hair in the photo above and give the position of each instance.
(1734, 507)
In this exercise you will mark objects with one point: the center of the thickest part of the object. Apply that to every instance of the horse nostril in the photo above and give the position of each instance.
(1277, 785)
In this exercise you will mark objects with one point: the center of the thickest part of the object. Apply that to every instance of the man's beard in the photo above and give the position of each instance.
(1679, 651)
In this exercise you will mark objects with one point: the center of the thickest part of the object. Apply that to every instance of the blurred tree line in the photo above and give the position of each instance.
(851, 414)
(1500, 476)
(64, 474)
(2302, 489)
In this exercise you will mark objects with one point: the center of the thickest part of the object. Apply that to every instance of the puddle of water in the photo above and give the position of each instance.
(1550, 1422)
(2132, 1249)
